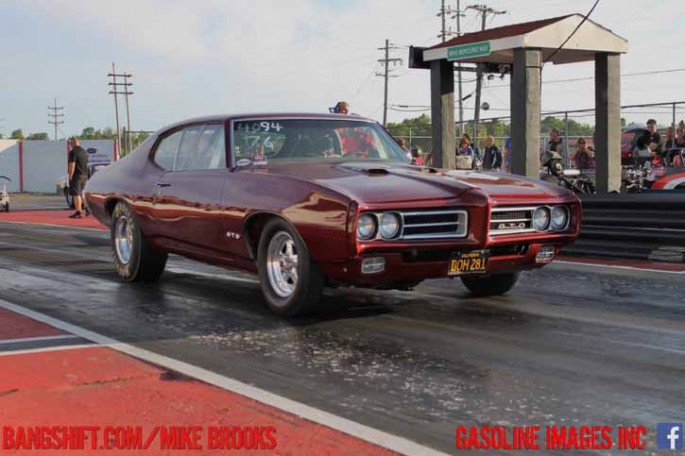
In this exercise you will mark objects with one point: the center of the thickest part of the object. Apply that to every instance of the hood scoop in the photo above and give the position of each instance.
(371, 170)
(377, 171)
(427, 170)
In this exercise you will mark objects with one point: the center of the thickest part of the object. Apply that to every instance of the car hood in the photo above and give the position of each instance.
(372, 182)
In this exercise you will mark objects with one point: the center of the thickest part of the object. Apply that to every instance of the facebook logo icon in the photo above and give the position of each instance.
(669, 436)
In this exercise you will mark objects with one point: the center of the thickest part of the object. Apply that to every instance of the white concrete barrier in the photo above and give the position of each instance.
(34, 166)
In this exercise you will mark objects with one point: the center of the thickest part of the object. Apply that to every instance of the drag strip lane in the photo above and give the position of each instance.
(567, 346)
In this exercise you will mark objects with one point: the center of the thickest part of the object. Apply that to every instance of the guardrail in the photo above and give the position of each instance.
(645, 226)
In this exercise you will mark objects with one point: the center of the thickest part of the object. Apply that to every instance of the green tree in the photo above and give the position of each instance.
(88, 133)
(17, 134)
(92, 133)
(418, 126)
(575, 128)
(38, 136)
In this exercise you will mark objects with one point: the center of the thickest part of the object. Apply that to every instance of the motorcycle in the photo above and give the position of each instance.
(636, 178)
(571, 179)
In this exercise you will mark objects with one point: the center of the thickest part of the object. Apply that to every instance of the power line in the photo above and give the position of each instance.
(363, 84)
(590, 78)
(55, 113)
(572, 33)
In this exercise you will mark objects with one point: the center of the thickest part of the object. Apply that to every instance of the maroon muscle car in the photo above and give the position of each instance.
(310, 200)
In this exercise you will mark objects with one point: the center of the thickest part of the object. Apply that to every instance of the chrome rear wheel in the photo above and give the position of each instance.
(123, 239)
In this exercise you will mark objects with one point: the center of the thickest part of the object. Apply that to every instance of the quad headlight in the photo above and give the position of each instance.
(541, 218)
(389, 225)
(366, 227)
(559, 218)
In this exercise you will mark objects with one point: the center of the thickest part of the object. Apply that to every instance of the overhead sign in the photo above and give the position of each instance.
(468, 51)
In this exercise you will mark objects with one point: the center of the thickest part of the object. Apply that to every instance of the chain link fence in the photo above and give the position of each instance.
(572, 125)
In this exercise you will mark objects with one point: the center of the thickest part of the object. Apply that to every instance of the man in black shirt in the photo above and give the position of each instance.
(492, 158)
(555, 141)
(78, 173)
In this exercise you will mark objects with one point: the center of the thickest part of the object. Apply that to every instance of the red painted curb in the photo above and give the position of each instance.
(13, 326)
(51, 217)
(106, 395)
(101, 387)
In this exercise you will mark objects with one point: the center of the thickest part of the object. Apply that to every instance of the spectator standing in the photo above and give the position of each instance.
(680, 134)
(642, 152)
(492, 157)
(342, 107)
(77, 165)
(555, 141)
(416, 156)
(583, 158)
(403, 145)
(670, 141)
(508, 156)
(465, 150)
(654, 137)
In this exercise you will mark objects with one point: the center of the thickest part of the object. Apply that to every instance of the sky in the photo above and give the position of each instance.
(229, 56)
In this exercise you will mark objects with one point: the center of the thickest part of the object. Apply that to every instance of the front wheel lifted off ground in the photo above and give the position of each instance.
(492, 285)
(291, 283)
(135, 260)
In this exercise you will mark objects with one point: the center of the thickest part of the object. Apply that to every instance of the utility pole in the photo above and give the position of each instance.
(483, 10)
(459, 80)
(116, 92)
(444, 34)
(55, 113)
(386, 75)
(128, 117)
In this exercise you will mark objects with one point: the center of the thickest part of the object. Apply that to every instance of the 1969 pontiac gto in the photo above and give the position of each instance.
(310, 200)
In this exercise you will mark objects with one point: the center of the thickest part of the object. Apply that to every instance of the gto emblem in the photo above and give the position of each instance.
(511, 226)
(232, 235)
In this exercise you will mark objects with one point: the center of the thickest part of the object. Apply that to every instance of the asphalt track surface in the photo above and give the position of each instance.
(571, 345)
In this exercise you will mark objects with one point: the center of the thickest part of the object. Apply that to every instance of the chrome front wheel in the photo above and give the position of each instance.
(290, 281)
(282, 264)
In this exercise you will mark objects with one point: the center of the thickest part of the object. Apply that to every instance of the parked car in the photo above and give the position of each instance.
(312, 200)
(4, 194)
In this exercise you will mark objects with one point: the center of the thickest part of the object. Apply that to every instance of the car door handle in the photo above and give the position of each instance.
(162, 184)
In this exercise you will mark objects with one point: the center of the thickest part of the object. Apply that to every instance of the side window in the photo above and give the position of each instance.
(211, 152)
(202, 147)
(165, 154)
(188, 148)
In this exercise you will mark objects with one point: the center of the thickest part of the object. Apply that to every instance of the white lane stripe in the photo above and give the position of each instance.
(46, 349)
(614, 266)
(37, 339)
(379, 438)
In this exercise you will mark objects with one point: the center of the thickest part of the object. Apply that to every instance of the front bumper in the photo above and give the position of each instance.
(414, 266)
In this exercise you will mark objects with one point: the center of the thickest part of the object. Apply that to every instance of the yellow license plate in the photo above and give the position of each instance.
(468, 263)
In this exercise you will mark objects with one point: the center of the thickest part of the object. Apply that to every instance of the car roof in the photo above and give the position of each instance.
(268, 115)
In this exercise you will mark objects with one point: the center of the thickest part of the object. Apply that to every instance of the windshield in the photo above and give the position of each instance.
(306, 140)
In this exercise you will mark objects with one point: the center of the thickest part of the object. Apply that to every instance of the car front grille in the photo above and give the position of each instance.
(511, 220)
(433, 224)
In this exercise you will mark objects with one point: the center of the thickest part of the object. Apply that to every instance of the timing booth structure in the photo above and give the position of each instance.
(521, 50)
